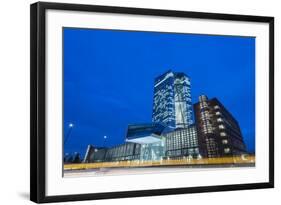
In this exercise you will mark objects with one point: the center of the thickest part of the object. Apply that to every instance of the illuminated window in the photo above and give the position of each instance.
(221, 126)
(226, 150)
(224, 141)
(218, 113)
(219, 120)
(217, 107)
(223, 134)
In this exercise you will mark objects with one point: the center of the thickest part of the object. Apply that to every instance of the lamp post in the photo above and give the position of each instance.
(70, 126)
(104, 140)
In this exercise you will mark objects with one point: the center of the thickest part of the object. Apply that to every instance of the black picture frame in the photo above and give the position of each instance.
(38, 101)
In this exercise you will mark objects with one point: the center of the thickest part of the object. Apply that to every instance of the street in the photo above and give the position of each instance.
(149, 170)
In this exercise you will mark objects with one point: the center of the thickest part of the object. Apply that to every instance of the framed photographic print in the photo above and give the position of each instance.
(129, 102)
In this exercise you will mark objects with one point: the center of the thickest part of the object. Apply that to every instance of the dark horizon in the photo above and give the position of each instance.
(94, 89)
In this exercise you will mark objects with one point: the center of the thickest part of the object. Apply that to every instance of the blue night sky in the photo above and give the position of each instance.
(109, 76)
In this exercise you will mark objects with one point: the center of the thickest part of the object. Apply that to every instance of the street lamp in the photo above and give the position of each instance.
(104, 140)
(70, 126)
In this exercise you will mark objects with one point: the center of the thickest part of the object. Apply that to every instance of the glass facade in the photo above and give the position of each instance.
(182, 142)
(123, 152)
(144, 130)
(148, 136)
(153, 151)
(172, 100)
(127, 151)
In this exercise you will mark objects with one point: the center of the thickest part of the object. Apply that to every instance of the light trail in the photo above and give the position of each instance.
(168, 162)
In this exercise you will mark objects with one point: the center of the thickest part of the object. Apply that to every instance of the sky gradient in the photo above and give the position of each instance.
(109, 76)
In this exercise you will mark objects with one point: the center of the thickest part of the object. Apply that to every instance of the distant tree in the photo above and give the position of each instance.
(76, 158)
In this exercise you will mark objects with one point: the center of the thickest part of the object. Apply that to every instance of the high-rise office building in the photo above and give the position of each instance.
(218, 131)
(172, 100)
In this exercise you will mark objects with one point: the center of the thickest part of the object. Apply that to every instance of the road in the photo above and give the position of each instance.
(148, 170)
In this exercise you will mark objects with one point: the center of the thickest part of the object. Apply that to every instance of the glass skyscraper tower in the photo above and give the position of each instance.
(172, 100)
